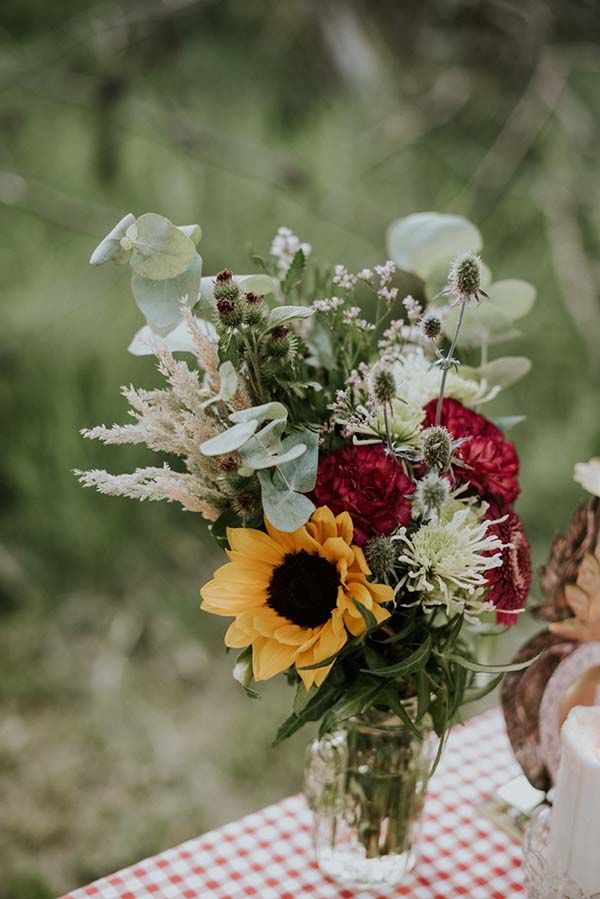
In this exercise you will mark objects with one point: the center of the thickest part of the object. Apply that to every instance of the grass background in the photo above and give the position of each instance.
(121, 731)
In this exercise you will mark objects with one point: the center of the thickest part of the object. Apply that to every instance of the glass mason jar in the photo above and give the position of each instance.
(366, 784)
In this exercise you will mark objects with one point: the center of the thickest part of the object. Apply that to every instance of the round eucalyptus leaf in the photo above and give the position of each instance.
(515, 298)
(160, 301)
(194, 232)
(427, 241)
(146, 341)
(230, 440)
(110, 247)
(159, 249)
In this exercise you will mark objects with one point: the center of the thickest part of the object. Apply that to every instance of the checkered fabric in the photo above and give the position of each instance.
(269, 854)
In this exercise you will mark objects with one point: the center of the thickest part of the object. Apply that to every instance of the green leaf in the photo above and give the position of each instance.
(110, 247)
(300, 475)
(260, 459)
(317, 704)
(416, 660)
(426, 241)
(230, 440)
(294, 273)
(179, 340)
(390, 697)
(284, 508)
(265, 412)
(160, 301)
(515, 298)
(483, 323)
(194, 232)
(357, 699)
(479, 692)
(367, 615)
(159, 249)
(508, 421)
(502, 372)
(471, 665)
(423, 693)
(228, 385)
(281, 314)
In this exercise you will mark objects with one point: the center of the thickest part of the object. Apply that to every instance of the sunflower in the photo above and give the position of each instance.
(293, 594)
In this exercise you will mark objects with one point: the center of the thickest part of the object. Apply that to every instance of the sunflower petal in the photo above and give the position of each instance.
(270, 658)
(255, 545)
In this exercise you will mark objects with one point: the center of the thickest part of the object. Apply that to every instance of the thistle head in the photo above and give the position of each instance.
(253, 308)
(383, 385)
(464, 278)
(229, 311)
(225, 287)
(431, 494)
(436, 444)
(380, 554)
(431, 326)
(278, 344)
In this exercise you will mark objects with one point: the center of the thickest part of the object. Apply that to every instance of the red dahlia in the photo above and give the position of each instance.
(509, 584)
(493, 462)
(369, 484)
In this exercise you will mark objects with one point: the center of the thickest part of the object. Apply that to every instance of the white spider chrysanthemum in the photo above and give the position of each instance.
(421, 382)
(446, 562)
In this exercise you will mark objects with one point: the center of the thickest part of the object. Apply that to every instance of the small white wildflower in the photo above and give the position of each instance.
(365, 274)
(413, 309)
(329, 304)
(389, 294)
(284, 247)
(343, 278)
(385, 272)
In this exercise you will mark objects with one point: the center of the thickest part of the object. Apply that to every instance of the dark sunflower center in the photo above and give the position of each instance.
(304, 589)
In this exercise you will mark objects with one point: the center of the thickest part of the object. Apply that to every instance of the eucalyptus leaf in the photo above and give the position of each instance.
(286, 509)
(259, 460)
(281, 314)
(267, 440)
(264, 412)
(146, 341)
(502, 372)
(228, 380)
(300, 475)
(110, 247)
(194, 232)
(483, 323)
(426, 241)
(514, 297)
(230, 440)
(160, 301)
(159, 249)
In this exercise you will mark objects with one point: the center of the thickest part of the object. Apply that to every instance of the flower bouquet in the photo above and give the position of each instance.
(329, 435)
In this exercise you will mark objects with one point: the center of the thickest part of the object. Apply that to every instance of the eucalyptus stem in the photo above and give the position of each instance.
(448, 360)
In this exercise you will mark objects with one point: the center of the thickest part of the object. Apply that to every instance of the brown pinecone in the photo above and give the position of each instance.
(565, 557)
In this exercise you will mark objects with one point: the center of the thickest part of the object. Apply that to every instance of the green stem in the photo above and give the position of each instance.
(450, 355)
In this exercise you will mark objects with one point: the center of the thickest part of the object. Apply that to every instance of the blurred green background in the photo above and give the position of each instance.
(121, 731)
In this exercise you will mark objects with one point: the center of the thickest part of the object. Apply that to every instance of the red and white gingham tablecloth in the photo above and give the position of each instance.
(269, 854)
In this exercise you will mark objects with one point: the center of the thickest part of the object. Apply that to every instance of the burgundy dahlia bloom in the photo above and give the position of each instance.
(369, 484)
(509, 585)
(493, 464)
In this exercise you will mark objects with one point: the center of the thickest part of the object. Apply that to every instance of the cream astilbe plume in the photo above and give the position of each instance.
(170, 420)
(156, 484)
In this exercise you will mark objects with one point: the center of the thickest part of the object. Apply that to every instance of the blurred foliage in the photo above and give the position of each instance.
(332, 118)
